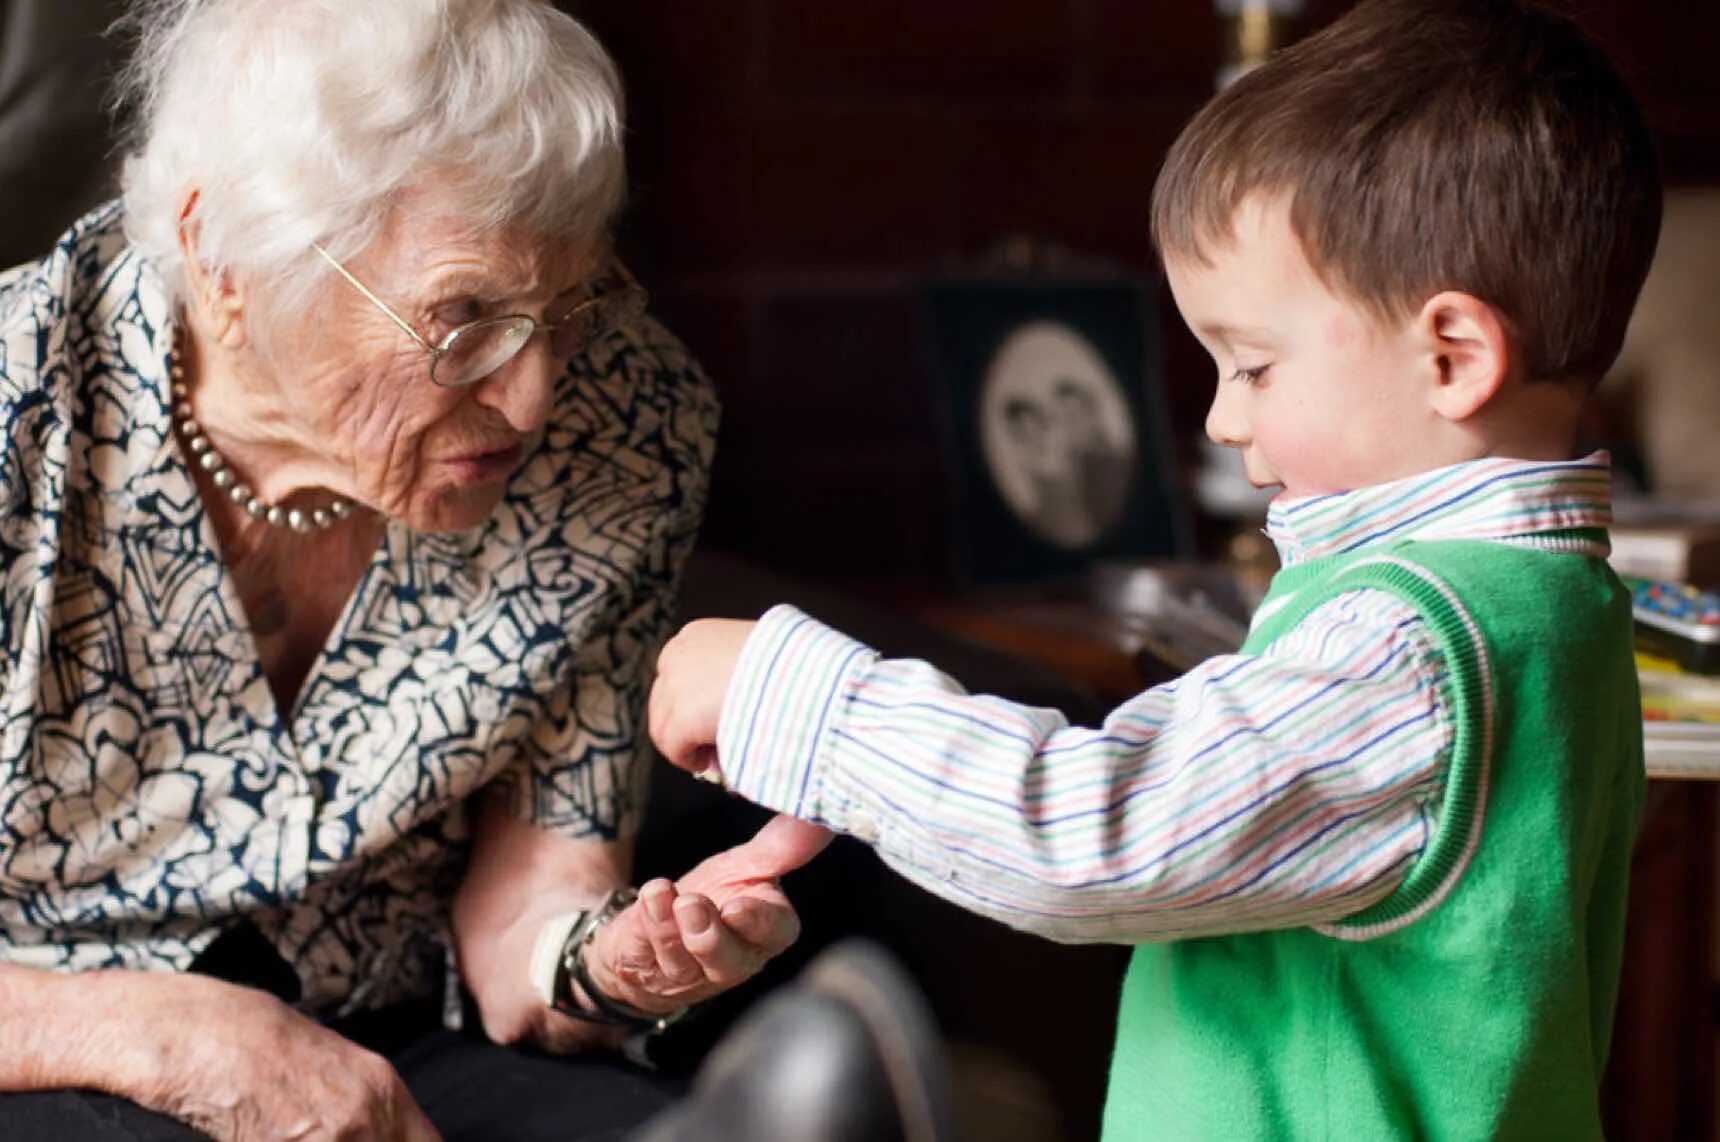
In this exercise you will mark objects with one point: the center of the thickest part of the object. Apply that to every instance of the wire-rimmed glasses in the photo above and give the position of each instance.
(475, 350)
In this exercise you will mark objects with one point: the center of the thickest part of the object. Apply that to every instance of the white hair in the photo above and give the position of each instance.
(299, 121)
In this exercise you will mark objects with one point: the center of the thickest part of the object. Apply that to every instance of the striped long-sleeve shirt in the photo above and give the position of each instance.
(1288, 788)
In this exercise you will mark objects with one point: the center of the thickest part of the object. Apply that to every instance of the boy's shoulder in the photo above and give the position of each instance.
(1553, 596)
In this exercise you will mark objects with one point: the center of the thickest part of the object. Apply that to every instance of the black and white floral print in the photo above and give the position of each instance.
(150, 791)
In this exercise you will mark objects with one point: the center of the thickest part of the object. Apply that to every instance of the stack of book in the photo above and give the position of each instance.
(1673, 572)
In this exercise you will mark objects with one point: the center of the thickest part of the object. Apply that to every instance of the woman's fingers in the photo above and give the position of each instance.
(689, 949)
(725, 958)
(678, 966)
(769, 926)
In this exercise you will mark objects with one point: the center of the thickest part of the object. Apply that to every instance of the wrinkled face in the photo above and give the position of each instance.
(434, 458)
(1318, 393)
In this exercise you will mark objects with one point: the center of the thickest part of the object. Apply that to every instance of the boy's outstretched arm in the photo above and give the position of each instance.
(1274, 790)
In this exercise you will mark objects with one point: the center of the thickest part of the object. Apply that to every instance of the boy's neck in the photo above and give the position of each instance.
(1535, 420)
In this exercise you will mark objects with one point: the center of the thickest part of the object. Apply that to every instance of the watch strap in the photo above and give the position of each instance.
(561, 978)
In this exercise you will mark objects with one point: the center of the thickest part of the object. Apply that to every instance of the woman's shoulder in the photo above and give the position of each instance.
(637, 395)
(49, 306)
(647, 365)
(73, 324)
(626, 453)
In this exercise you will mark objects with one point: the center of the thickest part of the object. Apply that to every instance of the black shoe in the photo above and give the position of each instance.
(848, 1053)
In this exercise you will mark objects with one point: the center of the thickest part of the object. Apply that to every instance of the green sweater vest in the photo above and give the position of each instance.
(1476, 1000)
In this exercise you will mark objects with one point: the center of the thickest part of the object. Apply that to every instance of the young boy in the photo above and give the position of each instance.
(1374, 863)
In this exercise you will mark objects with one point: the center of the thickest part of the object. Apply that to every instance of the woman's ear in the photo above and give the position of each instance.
(211, 291)
(1470, 352)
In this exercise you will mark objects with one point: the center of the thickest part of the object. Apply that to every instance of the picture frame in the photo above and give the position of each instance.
(1053, 425)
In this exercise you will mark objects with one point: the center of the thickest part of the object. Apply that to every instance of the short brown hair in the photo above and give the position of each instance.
(1485, 146)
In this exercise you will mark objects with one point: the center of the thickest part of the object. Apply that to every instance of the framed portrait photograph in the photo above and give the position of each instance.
(1053, 424)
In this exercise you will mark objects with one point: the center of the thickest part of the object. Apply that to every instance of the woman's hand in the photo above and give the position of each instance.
(685, 941)
(723, 921)
(521, 877)
(240, 1065)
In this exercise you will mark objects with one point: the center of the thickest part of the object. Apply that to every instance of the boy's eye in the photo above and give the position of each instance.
(1250, 376)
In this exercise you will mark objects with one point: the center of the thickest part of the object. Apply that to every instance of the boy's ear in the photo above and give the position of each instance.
(1468, 350)
(211, 290)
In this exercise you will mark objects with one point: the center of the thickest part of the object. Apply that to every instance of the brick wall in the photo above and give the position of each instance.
(800, 165)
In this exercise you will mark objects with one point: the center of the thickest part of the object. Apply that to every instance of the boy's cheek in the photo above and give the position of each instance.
(1282, 445)
(1313, 460)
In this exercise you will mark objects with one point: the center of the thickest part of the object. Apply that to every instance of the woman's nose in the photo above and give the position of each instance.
(522, 389)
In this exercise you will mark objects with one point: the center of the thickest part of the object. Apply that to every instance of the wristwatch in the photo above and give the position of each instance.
(560, 978)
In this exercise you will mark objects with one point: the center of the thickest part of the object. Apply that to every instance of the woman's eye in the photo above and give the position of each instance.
(1250, 376)
(461, 312)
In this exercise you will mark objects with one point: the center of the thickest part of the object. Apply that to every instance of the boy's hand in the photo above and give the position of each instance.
(693, 675)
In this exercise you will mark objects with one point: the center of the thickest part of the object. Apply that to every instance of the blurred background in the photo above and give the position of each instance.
(802, 172)
(800, 168)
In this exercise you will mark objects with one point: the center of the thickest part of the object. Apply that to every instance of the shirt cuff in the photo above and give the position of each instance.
(786, 697)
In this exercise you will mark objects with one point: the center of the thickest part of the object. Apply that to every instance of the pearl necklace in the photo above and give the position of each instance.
(204, 455)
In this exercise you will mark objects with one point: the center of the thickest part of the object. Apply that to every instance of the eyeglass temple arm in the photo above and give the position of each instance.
(629, 284)
(374, 300)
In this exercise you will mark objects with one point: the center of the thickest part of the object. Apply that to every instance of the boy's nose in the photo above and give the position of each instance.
(1227, 420)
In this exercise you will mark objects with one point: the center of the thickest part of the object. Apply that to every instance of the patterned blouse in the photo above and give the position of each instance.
(150, 791)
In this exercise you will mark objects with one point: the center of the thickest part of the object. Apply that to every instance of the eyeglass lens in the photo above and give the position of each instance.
(479, 350)
(476, 351)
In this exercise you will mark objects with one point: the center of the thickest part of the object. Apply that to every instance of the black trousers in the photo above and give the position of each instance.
(473, 1090)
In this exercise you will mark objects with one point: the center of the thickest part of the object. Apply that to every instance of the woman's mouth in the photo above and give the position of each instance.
(484, 466)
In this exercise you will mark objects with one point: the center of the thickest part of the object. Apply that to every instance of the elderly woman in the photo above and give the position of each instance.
(344, 494)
